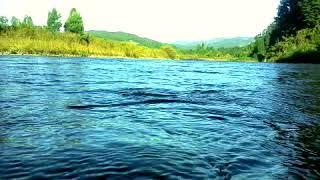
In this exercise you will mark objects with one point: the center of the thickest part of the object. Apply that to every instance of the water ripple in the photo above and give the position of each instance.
(66, 118)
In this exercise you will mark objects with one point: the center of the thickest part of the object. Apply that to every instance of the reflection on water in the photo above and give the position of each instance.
(68, 118)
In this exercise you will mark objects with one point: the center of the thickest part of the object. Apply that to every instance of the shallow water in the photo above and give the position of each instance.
(118, 119)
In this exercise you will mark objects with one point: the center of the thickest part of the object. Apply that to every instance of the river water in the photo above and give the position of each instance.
(150, 119)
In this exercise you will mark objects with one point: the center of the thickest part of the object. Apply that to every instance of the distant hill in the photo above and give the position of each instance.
(216, 43)
(122, 36)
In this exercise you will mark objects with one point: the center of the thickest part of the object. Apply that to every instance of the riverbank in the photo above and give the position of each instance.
(122, 57)
(37, 41)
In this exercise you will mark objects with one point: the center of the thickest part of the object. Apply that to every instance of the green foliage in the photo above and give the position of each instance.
(293, 15)
(43, 42)
(233, 53)
(3, 23)
(294, 34)
(304, 42)
(15, 22)
(259, 48)
(74, 23)
(85, 38)
(54, 23)
(170, 51)
(289, 18)
(121, 36)
(27, 22)
(201, 46)
(310, 10)
(262, 43)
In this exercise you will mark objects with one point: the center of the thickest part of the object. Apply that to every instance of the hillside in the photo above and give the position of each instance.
(127, 37)
(215, 43)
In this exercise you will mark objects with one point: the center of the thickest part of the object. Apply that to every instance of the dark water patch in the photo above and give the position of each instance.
(144, 93)
(79, 107)
(217, 118)
(205, 91)
(205, 72)
(146, 102)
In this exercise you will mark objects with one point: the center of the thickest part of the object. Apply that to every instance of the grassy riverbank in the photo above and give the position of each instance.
(39, 41)
(42, 42)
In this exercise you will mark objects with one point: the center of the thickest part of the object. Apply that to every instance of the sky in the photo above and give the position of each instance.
(162, 20)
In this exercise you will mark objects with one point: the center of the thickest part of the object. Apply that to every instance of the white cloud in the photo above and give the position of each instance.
(164, 20)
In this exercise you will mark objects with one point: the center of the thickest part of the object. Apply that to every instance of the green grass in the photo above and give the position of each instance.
(42, 42)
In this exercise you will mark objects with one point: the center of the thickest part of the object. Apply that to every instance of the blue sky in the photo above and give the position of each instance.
(162, 20)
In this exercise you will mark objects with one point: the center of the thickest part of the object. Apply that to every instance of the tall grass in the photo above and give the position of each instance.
(40, 41)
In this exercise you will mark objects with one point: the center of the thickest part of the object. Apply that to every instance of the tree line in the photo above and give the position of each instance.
(73, 24)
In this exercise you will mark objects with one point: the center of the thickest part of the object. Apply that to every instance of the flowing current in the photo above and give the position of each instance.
(158, 119)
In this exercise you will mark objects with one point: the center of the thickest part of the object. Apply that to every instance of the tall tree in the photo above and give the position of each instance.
(3, 23)
(74, 23)
(15, 22)
(54, 23)
(289, 18)
(294, 15)
(27, 21)
(311, 12)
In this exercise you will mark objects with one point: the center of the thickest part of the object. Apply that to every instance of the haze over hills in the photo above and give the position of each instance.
(215, 43)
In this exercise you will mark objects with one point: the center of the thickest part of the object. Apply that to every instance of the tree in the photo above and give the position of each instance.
(3, 23)
(170, 51)
(289, 19)
(54, 23)
(27, 22)
(201, 46)
(259, 47)
(311, 12)
(74, 23)
(294, 15)
(15, 22)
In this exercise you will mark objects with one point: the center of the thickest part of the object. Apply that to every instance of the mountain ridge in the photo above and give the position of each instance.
(215, 42)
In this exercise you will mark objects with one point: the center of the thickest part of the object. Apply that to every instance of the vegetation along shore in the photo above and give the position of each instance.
(294, 36)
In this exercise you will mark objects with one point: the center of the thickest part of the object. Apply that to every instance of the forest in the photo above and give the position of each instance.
(294, 36)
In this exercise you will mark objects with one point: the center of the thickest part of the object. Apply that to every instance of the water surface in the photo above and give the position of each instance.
(117, 119)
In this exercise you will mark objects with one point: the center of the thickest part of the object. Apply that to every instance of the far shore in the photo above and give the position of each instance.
(123, 57)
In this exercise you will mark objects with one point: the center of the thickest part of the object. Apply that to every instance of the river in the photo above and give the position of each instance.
(158, 119)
